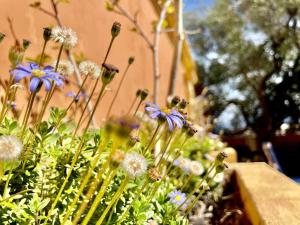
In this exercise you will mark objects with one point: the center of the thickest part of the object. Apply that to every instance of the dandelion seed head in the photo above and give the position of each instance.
(64, 68)
(196, 168)
(134, 164)
(89, 68)
(10, 147)
(65, 36)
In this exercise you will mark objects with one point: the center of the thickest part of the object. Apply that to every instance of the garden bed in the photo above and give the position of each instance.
(230, 210)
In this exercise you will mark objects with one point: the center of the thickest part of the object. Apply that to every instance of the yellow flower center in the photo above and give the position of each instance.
(178, 198)
(166, 110)
(38, 73)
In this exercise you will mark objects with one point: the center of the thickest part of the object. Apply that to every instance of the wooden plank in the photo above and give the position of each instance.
(270, 197)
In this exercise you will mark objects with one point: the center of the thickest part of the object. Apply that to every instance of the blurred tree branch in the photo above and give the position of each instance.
(115, 7)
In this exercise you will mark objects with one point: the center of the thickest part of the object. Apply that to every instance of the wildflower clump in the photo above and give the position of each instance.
(139, 167)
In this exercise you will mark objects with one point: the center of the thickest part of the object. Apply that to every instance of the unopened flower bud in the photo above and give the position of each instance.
(130, 60)
(174, 101)
(115, 29)
(26, 44)
(154, 175)
(144, 94)
(47, 33)
(132, 141)
(109, 73)
(182, 104)
(191, 131)
(220, 157)
(221, 167)
(15, 55)
(138, 93)
(2, 36)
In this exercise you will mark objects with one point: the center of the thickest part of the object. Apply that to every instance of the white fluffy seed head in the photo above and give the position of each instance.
(89, 68)
(196, 168)
(64, 68)
(134, 164)
(65, 36)
(10, 147)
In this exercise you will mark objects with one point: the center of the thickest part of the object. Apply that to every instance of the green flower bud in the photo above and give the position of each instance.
(144, 94)
(47, 33)
(109, 73)
(221, 167)
(2, 36)
(220, 157)
(15, 55)
(130, 60)
(26, 44)
(115, 29)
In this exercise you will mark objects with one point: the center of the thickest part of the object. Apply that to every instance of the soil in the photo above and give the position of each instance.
(230, 209)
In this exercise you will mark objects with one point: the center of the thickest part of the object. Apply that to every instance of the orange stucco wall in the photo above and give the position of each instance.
(92, 22)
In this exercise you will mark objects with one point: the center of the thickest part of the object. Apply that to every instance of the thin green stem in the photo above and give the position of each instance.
(189, 208)
(51, 92)
(99, 197)
(117, 92)
(153, 137)
(83, 184)
(137, 108)
(130, 108)
(43, 52)
(113, 200)
(2, 114)
(85, 107)
(77, 153)
(90, 192)
(196, 188)
(136, 197)
(71, 103)
(7, 181)
(28, 110)
(163, 152)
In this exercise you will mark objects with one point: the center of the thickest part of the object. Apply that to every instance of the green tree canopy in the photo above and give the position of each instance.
(249, 52)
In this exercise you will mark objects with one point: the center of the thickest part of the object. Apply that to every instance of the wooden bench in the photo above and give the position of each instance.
(270, 198)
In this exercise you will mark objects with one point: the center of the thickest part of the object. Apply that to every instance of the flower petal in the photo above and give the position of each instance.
(177, 120)
(155, 114)
(170, 122)
(34, 83)
(47, 84)
(33, 66)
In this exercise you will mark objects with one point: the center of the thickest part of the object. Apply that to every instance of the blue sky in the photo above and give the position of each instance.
(192, 4)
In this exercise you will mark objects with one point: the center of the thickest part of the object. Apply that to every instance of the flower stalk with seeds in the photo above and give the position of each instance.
(108, 74)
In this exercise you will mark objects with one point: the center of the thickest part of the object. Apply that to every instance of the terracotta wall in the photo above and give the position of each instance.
(92, 22)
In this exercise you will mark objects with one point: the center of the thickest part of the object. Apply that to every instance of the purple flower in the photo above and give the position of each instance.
(38, 76)
(76, 98)
(173, 117)
(177, 197)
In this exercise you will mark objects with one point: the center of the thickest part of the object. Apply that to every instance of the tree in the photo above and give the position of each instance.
(249, 52)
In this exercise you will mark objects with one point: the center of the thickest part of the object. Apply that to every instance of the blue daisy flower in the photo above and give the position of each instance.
(38, 76)
(177, 197)
(172, 116)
